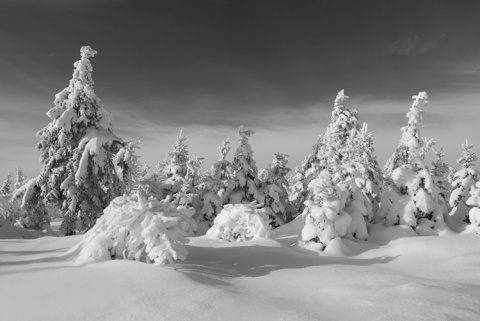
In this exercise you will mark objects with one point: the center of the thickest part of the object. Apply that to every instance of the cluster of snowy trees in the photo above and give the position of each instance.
(339, 189)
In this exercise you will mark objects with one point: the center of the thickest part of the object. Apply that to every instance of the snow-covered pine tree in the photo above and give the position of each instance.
(410, 198)
(7, 187)
(173, 169)
(215, 185)
(277, 206)
(20, 179)
(77, 149)
(310, 168)
(463, 180)
(439, 173)
(244, 187)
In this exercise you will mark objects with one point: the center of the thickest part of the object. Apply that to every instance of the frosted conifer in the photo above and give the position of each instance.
(7, 187)
(19, 179)
(277, 206)
(215, 185)
(78, 149)
(411, 197)
(244, 187)
(463, 180)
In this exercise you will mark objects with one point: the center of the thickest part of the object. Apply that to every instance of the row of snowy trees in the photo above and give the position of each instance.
(339, 188)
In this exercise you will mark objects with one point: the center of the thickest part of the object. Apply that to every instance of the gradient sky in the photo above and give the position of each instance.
(209, 66)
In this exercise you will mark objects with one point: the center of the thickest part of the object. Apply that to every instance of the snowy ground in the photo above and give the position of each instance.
(394, 276)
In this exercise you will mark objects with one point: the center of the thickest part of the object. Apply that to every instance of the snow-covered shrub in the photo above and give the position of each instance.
(32, 212)
(240, 222)
(134, 228)
(463, 180)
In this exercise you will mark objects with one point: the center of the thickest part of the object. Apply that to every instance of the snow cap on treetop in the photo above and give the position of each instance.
(420, 100)
(87, 52)
(341, 98)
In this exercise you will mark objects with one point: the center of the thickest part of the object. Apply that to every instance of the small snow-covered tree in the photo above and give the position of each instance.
(136, 229)
(241, 222)
(215, 185)
(78, 149)
(324, 218)
(439, 173)
(244, 187)
(411, 198)
(311, 166)
(474, 202)
(463, 180)
(20, 179)
(7, 187)
(170, 173)
(277, 206)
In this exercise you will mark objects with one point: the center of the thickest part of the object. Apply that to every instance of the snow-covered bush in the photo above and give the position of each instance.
(463, 180)
(241, 222)
(134, 228)
(32, 212)
(78, 149)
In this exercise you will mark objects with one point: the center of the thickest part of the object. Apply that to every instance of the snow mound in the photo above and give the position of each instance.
(240, 222)
(137, 229)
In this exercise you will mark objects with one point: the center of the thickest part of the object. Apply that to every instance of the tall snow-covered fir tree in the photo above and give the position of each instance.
(214, 187)
(345, 142)
(277, 206)
(411, 197)
(463, 180)
(78, 149)
(7, 185)
(244, 187)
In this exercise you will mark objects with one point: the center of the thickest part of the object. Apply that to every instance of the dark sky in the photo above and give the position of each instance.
(209, 66)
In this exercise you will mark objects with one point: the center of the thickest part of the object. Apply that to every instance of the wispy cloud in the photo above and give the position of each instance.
(414, 45)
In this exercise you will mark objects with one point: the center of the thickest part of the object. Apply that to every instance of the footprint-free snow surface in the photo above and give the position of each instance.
(396, 275)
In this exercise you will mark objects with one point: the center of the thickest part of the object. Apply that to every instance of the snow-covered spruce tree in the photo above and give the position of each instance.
(463, 180)
(136, 229)
(7, 185)
(474, 202)
(439, 172)
(344, 143)
(244, 186)
(77, 149)
(277, 206)
(172, 170)
(215, 185)
(20, 179)
(411, 197)
(311, 167)
(241, 222)
(177, 178)
(324, 218)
